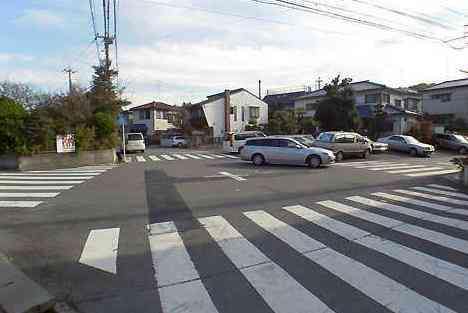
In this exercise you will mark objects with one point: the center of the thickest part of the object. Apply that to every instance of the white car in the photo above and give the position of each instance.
(408, 144)
(234, 142)
(174, 141)
(135, 142)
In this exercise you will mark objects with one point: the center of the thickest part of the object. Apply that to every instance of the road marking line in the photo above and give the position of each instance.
(230, 156)
(433, 266)
(443, 192)
(377, 286)
(28, 195)
(360, 163)
(167, 157)
(410, 212)
(235, 177)
(396, 167)
(218, 156)
(181, 157)
(286, 295)
(83, 172)
(414, 170)
(154, 158)
(178, 281)
(27, 174)
(19, 204)
(442, 187)
(100, 249)
(412, 230)
(35, 187)
(434, 173)
(193, 156)
(46, 177)
(376, 165)
(206, 156)
(140, 158)
(41, 182)
(430, 205)
(432, 197)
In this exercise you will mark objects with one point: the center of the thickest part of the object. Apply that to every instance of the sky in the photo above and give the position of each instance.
(183, 50)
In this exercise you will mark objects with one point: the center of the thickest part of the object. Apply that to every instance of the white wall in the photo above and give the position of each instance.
(214, 113)
(457, 106)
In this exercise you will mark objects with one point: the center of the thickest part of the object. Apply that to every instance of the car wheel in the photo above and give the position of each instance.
(314, 161)
(366, 154)
(413, 152)
(258, 160)
(339, 156)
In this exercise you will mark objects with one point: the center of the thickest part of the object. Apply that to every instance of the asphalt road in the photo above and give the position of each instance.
(226, 236)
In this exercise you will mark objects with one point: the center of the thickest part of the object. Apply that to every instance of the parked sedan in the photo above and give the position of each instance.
(407, 144)
(377, 146)
(284, 150)
(452, 142)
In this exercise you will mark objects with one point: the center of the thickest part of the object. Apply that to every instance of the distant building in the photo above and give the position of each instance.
(447, 101)
(154, 116)
(282, 99)
(228, 111)
(402, 105)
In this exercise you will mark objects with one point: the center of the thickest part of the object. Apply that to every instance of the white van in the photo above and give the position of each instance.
(234, 142)
(135, 142)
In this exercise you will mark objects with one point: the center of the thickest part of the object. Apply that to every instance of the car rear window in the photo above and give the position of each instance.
(325, 137)
(135, 137)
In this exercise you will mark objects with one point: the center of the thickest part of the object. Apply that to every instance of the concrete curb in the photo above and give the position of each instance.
(18, 293)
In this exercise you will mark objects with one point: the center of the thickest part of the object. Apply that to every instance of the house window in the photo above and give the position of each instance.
(147, 114)
(372, 98)
(398, 102)
(234, 112)
(141, 114)
(386, 98)
(443, 97)
(254, 112)
(243, 114)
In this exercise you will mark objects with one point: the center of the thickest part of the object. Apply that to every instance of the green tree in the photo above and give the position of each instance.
(23, 94)
(12, 126)
(338, 110)
(421, 86)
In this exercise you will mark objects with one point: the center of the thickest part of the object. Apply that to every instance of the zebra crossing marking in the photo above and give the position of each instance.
(414, 170)
(35, 187)
(443, 192)
(178, 281)
(230, 156)
(416, 231)
(444, 172)
(180, 157)
(46, 177)
(167, 157)
(218, 156)
(140, 158)
(441, 269)
(398, 167)
(442, 187)
(377, 286)
(432, 197)
(100, 249)
(260, 271)
(19, 204)
(28, 195)
(154, 158)
(40, 182)
(206, 156)
(193, 156)
(29, 174)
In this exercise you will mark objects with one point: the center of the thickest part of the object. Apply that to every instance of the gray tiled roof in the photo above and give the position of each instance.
(449, 84)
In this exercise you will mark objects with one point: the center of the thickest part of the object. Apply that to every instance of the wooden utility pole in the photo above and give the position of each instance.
(70, 72)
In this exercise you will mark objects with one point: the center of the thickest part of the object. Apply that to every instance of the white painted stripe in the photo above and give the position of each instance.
(35, 187)
(28, 174)
(416, 231)
(40, 182)
(46, 177)
(28, 195)
(100, 249)
(235, 177)
(434, 173)
(193, 156)
(140, 158)
(84, 172)
(154, 158)
(280, 291)
(443, 192)
(396, 167)
(442, 187)
(410, 212)
(205, 156)
(167, 157)
(432, 197)
(377, 167)
(359, 163)
(414, 170)
(430, 205)
(230, 156)
(178, 281)
(19, 204)
(441, 269)
(381, 288)
(218, 156)
(181, 157)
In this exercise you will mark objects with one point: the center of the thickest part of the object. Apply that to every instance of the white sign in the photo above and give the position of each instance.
(65, 143)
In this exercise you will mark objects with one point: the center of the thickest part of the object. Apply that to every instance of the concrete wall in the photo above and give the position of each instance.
(457, 106)
(55, 160)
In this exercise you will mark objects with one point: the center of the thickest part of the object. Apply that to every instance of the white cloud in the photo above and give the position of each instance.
(40, 18)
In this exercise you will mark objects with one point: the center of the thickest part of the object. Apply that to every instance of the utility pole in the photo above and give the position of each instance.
(319, 83)
(70, 72)
(260, 89)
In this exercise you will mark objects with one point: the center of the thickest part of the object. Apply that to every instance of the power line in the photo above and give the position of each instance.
(92, 8)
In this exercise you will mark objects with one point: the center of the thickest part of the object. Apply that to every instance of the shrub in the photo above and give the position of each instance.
(12, 127)
(84, 139)
(105, 125)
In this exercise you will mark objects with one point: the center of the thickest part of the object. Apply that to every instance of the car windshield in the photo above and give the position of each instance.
(325, 137)
(460, 138)
(412, 140)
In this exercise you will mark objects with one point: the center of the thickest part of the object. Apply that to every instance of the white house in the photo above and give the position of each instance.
(403, 105)
(447, 101)
(229, 111)
(154, 116)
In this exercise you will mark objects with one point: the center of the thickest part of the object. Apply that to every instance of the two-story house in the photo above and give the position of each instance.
(402, 105)
(447, 101)
(154, 116)
(229, 111)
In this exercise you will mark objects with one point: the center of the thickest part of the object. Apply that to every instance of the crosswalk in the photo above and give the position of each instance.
(179, 157)
(405, 169)
(390, 251)
(30, 189)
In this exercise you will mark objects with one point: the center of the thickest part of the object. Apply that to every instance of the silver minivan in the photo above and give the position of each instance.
(284, 150)
(344, 144)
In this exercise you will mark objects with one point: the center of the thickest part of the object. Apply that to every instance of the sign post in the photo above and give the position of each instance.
(65, 143)
(123, 142)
